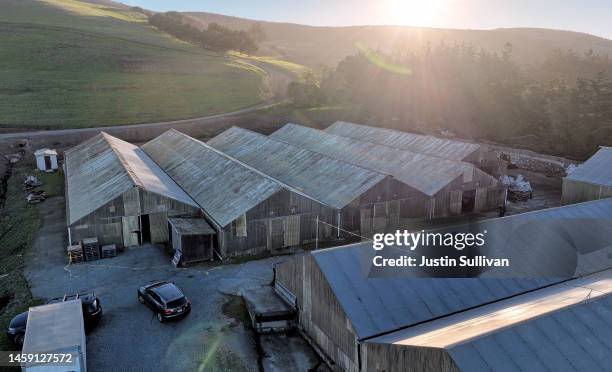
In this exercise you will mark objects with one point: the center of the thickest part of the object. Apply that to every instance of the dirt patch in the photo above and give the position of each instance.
(235, 308)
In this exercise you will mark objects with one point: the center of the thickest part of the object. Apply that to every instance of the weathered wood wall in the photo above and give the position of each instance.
(115, 221)
(284, 220)
(320, 315)
(398, 358)
(577, 192)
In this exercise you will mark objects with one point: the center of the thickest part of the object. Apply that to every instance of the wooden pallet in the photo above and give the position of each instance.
(91, 248)
(75, 254)
(108, 251)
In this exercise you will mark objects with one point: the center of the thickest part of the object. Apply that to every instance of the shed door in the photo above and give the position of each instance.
(456, 197)
(276, 234)
(480, 203)
(47, 162)
(131, 230)
(292, 230)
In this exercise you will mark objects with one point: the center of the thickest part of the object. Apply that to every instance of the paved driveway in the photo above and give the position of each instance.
(129, 337)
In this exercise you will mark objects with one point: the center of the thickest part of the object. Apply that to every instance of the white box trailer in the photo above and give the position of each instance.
(56, 329)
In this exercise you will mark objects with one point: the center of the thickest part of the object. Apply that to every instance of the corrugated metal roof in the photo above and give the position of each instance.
(565, 327)
(578, 338)
(427, 174)
(472, 324)
(379, 305)
(192, 226)
(223, 187)
(429, 145)
(597, 170)
(329, 181)
(104, 167)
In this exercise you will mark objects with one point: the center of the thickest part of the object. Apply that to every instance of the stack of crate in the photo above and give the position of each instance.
(91, 247)
(75, 253)
(109, 251)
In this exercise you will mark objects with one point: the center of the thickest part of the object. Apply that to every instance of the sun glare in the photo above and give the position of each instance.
(415, 12)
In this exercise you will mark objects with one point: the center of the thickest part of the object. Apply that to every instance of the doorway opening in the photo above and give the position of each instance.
(145, 229)
(468, 201)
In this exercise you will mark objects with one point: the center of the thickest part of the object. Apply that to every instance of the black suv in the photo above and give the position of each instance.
(166, 299)
(92, 312)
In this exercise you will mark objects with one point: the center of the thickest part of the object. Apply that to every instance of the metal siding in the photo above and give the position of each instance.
(577, 338)
(425, 173)
(429, 145)
(223, 187)
(596, 170)
(329, 181)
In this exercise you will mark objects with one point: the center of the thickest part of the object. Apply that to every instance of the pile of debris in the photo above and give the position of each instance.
(33, 196)
(31, 182)
(518, 188)
(36, 196)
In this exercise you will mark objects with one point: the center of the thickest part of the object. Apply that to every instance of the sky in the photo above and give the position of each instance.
(590, 16)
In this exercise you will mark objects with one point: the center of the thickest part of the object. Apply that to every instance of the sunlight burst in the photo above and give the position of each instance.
(415, 12)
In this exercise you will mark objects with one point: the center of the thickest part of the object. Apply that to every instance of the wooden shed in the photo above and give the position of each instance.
(46, 159)
(364, 200)
(439, 187)
(250, 211)
(345, 313)
(591, 180)
(116, 193)
(192, 239)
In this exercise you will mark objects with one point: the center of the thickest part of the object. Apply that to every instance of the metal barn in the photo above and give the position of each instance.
(116, 193)
(591, 180)
(365, 200)
(441, 187)
(565, 327)
(422, 144)
(250, 211)
(360, 323)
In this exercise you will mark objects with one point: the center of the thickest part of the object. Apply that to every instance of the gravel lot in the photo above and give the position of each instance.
(130, 338)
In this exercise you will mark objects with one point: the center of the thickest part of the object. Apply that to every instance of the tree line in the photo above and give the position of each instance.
(214, 37)
(562, 105)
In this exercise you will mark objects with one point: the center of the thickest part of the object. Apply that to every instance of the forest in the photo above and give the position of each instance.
(214, 37)
(562, 105)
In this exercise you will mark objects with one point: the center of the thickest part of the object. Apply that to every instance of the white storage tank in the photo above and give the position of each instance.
(46, 159)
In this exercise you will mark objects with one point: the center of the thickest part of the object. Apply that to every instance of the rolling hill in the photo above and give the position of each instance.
(316, 46)
(68, 63)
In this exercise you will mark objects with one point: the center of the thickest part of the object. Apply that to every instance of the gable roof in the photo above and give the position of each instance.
(422, 144)
(424, 173)
(329, 181)
(223, 187)
(104, 167)
(597, 170)
(381, 305)
(567, 326)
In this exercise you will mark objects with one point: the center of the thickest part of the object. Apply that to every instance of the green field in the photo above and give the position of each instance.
(69, 64)
(19, 223)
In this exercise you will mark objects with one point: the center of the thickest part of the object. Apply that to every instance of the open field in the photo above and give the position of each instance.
(69, 64)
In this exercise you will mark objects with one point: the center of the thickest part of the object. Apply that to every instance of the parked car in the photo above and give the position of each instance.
(165, 299)
(92, 312)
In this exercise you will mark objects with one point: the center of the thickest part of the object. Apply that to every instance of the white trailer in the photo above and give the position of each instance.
(53, 331)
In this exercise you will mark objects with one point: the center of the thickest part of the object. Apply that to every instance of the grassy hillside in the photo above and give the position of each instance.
(68, 63)
(316, 46)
